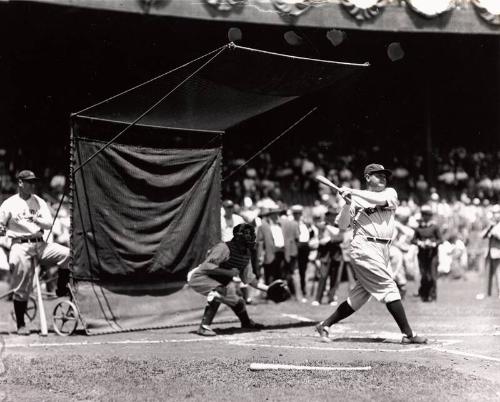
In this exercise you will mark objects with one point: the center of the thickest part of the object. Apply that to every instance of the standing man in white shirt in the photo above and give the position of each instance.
(23, 218)
(229, 220)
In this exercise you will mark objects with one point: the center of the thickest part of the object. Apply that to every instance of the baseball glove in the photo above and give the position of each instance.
(278, 291)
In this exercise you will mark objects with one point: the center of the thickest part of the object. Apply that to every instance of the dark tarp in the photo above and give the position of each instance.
(144, 212)
(147, 208)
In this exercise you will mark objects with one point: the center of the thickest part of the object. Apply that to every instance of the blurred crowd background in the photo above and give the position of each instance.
(462, 195)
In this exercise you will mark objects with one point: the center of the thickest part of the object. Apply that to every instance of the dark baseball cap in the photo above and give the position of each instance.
(377, 168)
(26, 175)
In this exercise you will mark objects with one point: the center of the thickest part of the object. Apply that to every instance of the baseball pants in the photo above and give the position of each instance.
(371, 265)
(24, 256)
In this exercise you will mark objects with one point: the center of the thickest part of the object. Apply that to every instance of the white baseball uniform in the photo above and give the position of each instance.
(373, 230)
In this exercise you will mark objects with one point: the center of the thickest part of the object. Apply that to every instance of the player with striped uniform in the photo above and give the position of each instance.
(371, 214)
(214, 278)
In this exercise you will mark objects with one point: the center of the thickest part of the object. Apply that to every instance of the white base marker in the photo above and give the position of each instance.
(266, 366)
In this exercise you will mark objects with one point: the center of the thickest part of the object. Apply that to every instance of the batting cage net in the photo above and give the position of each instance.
(146, 167)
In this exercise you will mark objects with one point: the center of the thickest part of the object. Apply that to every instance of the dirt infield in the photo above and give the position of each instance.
(461, 362)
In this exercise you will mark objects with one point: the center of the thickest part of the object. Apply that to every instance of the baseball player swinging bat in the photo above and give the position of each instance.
(41, 310)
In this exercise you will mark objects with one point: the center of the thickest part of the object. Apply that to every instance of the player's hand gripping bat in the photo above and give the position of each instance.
(329, 183)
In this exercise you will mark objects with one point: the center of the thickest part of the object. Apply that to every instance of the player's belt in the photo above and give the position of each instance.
(378, 240)
(27, 240)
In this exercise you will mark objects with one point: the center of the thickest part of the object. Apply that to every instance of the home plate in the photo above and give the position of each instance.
(266, 366)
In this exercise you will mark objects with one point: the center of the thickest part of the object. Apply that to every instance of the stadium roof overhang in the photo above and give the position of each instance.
(440, 16)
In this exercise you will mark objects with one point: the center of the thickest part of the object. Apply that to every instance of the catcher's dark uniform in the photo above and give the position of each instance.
(214, 278)
(208, 277)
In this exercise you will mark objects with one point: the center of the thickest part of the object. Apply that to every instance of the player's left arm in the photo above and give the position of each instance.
(43, 217)
(387, 197)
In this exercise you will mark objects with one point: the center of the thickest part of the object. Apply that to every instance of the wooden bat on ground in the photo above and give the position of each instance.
(39, 301)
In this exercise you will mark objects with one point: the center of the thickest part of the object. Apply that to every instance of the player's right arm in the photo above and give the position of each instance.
(387, 197)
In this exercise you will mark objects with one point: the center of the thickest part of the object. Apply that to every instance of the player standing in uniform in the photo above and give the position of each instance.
(214, 278)
(371, 214)
(25, 216)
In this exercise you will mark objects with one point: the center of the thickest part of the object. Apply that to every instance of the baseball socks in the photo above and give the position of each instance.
(208, 316)
(343, 311)
(398, 312)
(241, 312)
(20, 309)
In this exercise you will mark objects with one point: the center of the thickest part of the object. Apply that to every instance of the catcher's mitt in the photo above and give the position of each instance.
(278, 291)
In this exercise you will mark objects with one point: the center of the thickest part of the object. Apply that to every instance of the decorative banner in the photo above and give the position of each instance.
(147, 5)
(291, 7)
(489, 10)
(431, 8)
(363, 10)
(225, 5)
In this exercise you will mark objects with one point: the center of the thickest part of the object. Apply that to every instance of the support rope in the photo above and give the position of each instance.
(270, 143)
(148, 82)
(147, 111)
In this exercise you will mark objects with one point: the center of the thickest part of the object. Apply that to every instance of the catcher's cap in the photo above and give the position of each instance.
(426, 210)
(297, 209)
(26, 175)
(377, 168)
(227, 204)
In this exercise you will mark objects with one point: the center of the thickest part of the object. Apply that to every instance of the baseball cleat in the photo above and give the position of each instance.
(24, 331)
(205, 330)
(323, 332)
(416, 339)
(252, 325)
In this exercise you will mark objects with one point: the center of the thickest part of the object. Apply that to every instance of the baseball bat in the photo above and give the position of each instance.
(326, 182)
(41, 310)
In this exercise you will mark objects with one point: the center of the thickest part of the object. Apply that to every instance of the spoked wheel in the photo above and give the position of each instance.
(31, 310)
(65, 318)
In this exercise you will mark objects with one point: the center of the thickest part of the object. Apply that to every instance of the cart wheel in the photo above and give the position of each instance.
(31, 310)
(65, 318)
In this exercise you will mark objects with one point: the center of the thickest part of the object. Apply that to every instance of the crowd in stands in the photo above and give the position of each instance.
(461, 196)
(457, 174)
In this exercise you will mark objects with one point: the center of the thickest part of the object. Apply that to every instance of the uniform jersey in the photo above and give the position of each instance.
(17, 215)
(374, 220)
(370, 259)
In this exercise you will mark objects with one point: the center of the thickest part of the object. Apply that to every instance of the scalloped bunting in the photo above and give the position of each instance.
(431, 8)
(291, 7)
(363, 10)
(225, 5)
(488, 10)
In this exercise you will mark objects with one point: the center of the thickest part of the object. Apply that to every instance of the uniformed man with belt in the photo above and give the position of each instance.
(371, 214)
(23, 217)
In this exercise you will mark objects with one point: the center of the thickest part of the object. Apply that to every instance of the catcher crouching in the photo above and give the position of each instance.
(214, 278)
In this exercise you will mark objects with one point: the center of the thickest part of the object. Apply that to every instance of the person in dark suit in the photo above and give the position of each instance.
(291, 233)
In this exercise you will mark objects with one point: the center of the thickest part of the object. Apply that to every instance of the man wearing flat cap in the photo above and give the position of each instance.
(23, 217)
(371, 214)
